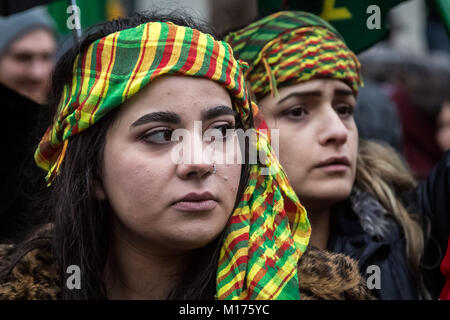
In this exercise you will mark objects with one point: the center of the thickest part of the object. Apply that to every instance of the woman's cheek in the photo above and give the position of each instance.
(229, 178)
(132, 181)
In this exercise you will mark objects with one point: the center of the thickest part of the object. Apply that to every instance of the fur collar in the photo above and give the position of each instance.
(27, 271)
(325, 275)
(373, 217)
(30, 274)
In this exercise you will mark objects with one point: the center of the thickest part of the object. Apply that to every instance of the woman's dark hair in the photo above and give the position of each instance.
(81, 222)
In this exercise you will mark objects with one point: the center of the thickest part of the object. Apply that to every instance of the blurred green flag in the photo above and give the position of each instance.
(91, 12)
(362, 23)
(444, 9)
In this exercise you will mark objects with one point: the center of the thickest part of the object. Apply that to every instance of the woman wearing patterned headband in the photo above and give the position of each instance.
(133, 221)
(306, 80)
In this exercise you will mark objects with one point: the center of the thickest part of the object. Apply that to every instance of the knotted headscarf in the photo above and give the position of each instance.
(290, 47)
(269, 230)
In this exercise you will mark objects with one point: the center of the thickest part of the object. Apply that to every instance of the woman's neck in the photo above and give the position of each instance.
(319, 217)
(132, 273)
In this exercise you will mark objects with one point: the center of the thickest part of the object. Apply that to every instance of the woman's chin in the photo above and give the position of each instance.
(191, 239)
(192, 243)
(325, 194)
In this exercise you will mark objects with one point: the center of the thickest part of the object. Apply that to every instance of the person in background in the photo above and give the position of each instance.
(443, 139)
(27, 48)
(418, 85)
(21, 180)
(376, 116)
(436, 33)
(443, 127)
(445, 269)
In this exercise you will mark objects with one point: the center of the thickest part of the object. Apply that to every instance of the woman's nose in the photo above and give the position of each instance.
(333, 130)
(197, 164)
(195, 170)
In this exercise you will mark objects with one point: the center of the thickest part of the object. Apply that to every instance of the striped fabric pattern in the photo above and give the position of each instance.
(290, 47)
(269, 230)
(267, 234)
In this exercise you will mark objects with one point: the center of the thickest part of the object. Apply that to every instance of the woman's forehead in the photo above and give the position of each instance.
(178, 94)
(316, 85)
(191, 89)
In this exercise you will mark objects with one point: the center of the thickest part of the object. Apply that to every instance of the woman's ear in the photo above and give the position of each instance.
(99, 191)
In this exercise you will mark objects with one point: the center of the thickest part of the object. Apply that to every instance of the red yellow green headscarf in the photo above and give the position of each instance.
(290, 47)
(269, 230)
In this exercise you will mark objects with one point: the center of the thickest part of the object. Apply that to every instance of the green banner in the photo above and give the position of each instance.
(444, 9)
(91, 12)
(362, 23)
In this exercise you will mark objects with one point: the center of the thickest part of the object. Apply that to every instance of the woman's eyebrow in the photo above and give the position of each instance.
(214, 112)
(343, 92)
(160, 116)
(316, 93)
(300, 94)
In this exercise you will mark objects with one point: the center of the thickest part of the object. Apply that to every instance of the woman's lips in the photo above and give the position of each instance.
(334, 164)
(202, 205)
(195, 201)
(334, 168)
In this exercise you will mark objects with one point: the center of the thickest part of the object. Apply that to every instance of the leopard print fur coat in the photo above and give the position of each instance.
(30, 273)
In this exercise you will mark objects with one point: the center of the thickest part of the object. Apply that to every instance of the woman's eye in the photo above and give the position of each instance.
(158, 136)
(224, 131)
(345, 111)
(295, 113)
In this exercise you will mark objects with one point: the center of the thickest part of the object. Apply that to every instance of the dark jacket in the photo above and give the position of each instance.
(362, 229)
(24, 122)
(432, 199)
(27, 271)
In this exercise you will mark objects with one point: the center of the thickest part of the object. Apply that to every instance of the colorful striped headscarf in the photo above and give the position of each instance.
(269, 230)
(289, 47)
